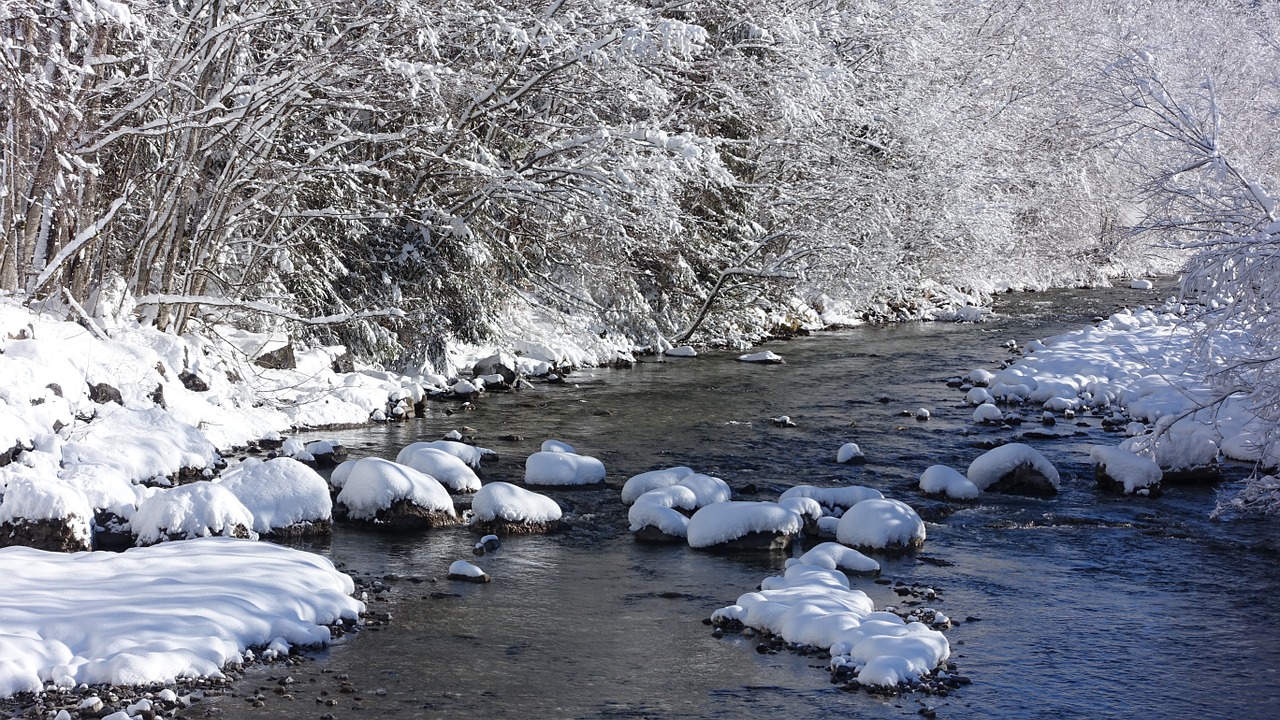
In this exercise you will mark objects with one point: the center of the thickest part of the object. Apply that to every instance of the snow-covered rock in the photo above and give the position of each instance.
(737, 525)
(942, 480)
(849, 453)
(204, 603)
(286, 497)
(881, 524)
(988, 414)
(835, 556)
(393, 496)
(1016, 469)
(764, 357)
(682, 351)
(463, 570)
(503, 508)
(201, 509)
(562, 469)
(469, 454)
(451, 472)
(49, 514)
(642, 483)
(557, 446)
(838, 497)
(1122, 472)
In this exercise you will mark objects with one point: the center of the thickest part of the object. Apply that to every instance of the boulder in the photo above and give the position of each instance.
(66, 534)
(279, 359)
(1014, 469)
(103, 393)
(501, 363)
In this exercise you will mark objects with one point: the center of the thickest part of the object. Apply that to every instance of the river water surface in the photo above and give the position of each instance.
(1083, 605)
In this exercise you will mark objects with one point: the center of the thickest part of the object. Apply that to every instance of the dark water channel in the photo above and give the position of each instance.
(1089, 606)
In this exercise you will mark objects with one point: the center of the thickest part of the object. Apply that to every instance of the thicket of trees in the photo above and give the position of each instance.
(387, 173)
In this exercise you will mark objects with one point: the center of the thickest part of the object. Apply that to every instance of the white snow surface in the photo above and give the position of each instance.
(841, 497)
(989, 467)
(279, 492)
(638, 485)
(200, 509)
(880, 523)
(767, 357)
(82, 618)
(1134, 471)
(465, 569)
(469, 454)
(813, 605)
(722, 522)
(27, 498)
(849, 452)
(374, 484)
(942, 480)
(562, 468)
(835, 556)
(504, 501)
(557, 446)
(445, 467)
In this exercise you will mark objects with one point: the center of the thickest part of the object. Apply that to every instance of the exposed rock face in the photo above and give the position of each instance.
(510, 527)
(652, 535)
(236, 531)
(1108, 484)
(193, 382)
(102, 393)
(405, 516)
(304, 529)
(344, 363)
(1024, 480)
(68, 534)
(111, 532)
(282, 359)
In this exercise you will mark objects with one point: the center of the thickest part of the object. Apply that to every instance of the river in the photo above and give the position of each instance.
(1083, 605)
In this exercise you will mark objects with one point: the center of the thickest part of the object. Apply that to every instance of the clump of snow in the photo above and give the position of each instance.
(373, 485)
(469, 454)
(808, 509)
(722, 522)
(463, 570)
(557, 446)
(1182, 445)
(638, 485)
(280, 493)
(881, 523)
(1133, 472)
(562, 468)
(511, 503)
(841, 497)
(764, 357)
(200, 509)
(850, 453)
(683, 351)
(453, 473)
(988, 414)
(942, 480)
(1140, 284)
(835, 556)
(978, 396)
(80, 616)
(999, 463)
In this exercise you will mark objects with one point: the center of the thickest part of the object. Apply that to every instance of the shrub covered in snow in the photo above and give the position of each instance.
(285, 496)
(1016, 469)
(201, 509)
(881, 524)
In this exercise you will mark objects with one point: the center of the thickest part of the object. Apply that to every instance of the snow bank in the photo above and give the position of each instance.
(281, 493)
(720, 523)
(942, 480)
(881, 523)
(79, 618)
(374, 485)
(562, 468)
(511, 503)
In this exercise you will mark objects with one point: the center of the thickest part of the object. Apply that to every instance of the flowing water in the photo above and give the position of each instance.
(1083, 605)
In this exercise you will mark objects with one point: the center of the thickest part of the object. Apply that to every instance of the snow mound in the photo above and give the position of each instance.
(448, 469)
(469, 454)
(665, 507)
(764, 357)
(683, 351)
(988, 414)
(835, 556)
(32, 500)
(1132, 473)
(562, 468)
(557, 446)
(638, 485)
(942, 480)
(463, 570)
(850, 453)
(142, 444)
(200, 509)
(1014, 468)
(79, 616)
(841, 497)
(511, 503)
(374, 485)
(280, 492)
(720, 523)
(882, 524)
